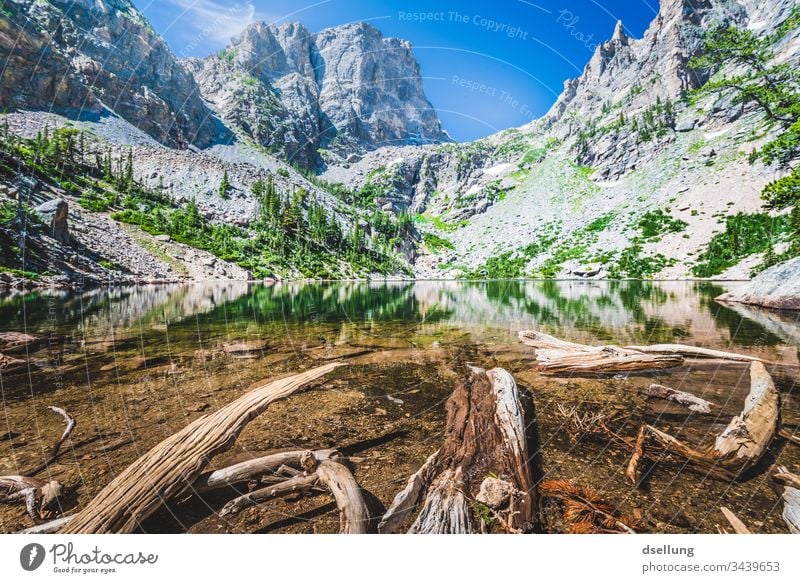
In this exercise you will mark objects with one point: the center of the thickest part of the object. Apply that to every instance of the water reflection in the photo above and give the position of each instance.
(634, 311)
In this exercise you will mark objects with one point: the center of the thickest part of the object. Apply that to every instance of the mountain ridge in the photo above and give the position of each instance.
(634, 172)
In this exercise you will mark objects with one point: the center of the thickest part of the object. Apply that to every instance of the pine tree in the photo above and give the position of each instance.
(224, 186)
(128, 179)
(107, 165)
(293, 215)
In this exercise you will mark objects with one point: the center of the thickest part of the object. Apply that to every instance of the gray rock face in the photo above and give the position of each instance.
(55, 214)
(347, 89)
(777, 287)
(87, 55)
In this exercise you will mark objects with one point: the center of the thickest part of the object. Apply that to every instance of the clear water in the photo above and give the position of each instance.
(134, 365)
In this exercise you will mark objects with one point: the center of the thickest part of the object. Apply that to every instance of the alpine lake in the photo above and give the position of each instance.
(135, 365)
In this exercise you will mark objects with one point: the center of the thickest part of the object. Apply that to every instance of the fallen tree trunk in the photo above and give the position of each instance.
(9, 363)
(481, 474)
(173, 465)
(787, 485)
(560, 357)
(739, 447)
(612, 361)
(16, 341)
(690, 401)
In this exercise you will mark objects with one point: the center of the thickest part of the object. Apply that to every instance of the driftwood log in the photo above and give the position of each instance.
(256, 467)
(9, 363)
(557, 356)
(481, 475)
(694, 352)
(173, 465)
(50, 527)
(688, 400)
(37, 495)
(787, 485)
(328, 474)
(230, 476)
(561, 357)
(16, 341)
(740, 445)
(70, 422)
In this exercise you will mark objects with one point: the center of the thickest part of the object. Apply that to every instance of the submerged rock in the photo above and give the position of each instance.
(778, 287)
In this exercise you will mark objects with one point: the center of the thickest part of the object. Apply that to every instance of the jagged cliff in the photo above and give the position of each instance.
(346, 89)
(627, 143)
(92, 57)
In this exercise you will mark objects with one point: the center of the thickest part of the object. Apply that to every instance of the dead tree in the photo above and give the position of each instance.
(257, 467)
(561, 357)
(327, 475)
(740, 445)
(173, 465)
(481, 475)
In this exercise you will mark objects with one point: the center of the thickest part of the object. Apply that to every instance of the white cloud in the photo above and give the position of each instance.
(212, 20)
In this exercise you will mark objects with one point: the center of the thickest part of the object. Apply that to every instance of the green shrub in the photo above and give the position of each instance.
(744, 235)
(656, 223)
(436, 243)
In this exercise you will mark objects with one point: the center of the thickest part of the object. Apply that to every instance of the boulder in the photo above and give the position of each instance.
(778, 287)
(54, 214)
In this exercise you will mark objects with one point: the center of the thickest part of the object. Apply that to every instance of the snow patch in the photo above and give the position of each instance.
(757, 25)
(498, 170)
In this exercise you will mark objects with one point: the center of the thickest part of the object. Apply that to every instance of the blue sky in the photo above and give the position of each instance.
(487, 65)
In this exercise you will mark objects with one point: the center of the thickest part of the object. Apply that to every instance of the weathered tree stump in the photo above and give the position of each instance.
(482, 472)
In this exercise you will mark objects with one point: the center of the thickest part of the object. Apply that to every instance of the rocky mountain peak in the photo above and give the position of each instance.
(619, 34)
(346, 89)
(96, 56)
